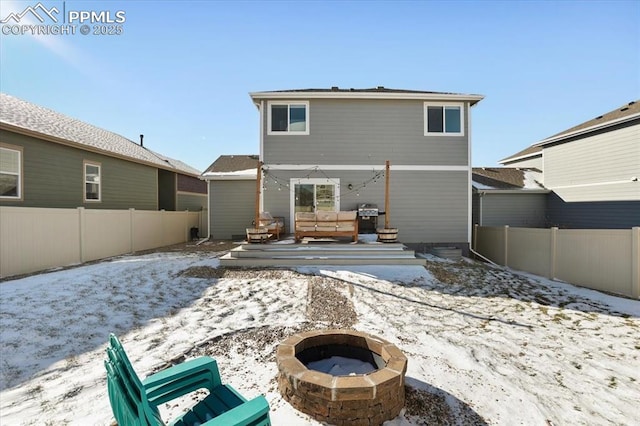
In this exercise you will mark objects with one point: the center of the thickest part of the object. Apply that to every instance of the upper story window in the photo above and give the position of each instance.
(443, 119)
(92, 185)
(288, 118)
(10, 173)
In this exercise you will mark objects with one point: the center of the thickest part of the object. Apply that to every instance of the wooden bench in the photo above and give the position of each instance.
(135, 402)
(326, 224)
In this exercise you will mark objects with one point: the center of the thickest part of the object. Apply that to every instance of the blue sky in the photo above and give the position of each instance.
(181, 71)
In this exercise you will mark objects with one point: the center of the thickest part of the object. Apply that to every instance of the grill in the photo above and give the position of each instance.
(367, 218)
(367, 210)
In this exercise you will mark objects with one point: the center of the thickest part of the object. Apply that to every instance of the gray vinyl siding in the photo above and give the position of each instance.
(592, 215)
(231, 207)
(426, 206)
(355, 132)
(517, 210)
(596, 168)
(191, 202)
(54, 177)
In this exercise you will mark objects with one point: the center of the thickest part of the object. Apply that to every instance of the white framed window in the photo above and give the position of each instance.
(443, 119)
(288, 118)
(92, 183)
(10, 172)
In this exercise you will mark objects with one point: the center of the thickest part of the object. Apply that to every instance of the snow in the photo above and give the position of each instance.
(509, 347)
(341, 366)
(532, 179)
(246, 173)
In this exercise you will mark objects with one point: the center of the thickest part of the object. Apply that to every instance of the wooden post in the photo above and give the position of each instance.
(386, 195)
(258, 189)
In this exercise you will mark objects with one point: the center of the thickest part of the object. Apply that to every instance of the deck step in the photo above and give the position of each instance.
(228, 261)
(314, 252)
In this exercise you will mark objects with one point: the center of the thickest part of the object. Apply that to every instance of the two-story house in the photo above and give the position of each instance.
(592, 170)
(325, 149)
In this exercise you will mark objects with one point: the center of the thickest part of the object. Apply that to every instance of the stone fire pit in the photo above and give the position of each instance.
(356, 399)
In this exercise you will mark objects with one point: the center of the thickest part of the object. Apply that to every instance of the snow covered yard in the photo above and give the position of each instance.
(485, 345)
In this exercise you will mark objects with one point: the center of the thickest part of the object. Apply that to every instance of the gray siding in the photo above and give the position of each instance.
(592, 215)
(166, 190)
(191, 202)
(353, 132)
(54, 177)
(596, 168)
(232, 207)
(535, 162)
(425, 206)
(518, 210)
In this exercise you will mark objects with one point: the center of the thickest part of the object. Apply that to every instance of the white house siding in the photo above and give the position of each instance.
(596, 168)
(532, 162)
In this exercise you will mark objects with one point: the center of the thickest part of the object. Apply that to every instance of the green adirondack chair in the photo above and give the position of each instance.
(135, 402)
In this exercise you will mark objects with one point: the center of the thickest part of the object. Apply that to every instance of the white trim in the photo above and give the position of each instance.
(209, 210)
(86, 163)
(366, 95)
(522, 157)
(584, 185)
(20, 173)
(512, 191)
(443, 105)
(288, 103)
(469, 183)
(311, 181)
(229, 177)
(370, 167)
(262, 131)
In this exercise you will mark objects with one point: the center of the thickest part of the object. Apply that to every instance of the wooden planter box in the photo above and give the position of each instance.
(257, 235)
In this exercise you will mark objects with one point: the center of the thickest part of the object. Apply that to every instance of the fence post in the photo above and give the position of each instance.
(635, 262)
(553, 252)
(506, 245)
(132, 230)
(82, 227)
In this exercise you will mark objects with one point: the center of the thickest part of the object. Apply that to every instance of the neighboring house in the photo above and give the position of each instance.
(231, 182)
(51, 160)
(325, 149)
(592, 169)
(508, 196)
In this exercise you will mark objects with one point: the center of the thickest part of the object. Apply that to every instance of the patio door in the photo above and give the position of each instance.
(311, 195)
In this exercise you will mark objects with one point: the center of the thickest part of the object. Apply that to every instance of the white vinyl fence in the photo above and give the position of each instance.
(601, 259)
(34, 239)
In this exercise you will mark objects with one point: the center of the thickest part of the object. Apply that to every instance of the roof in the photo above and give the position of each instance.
(24, 117)
(507, 178)
(627, 110)
(531, 151)
(233, 167)
(379, 92)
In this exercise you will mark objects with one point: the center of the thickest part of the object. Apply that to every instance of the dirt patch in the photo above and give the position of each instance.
(428, 408)
(328, 305)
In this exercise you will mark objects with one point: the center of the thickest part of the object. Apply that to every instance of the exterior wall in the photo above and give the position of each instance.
(592, 215)
(426, 206)
(34, 239)
(346, 132)
(191, 202)
(513, 209)
(166, 190)
(54, 177)
(191, 184)
(596, 168)
(231, 207)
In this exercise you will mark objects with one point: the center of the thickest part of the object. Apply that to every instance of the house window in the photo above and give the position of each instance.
(10, 173)
(443, 119)
(92, 186)
(290, 118)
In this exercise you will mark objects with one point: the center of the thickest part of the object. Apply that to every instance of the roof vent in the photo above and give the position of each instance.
(141, 138)
(380, 87)
(334, 88)
(598, 117)
(624, 109)
(632, 102)
(352, 89)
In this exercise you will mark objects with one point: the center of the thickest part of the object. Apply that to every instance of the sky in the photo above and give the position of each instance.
(180, 72)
